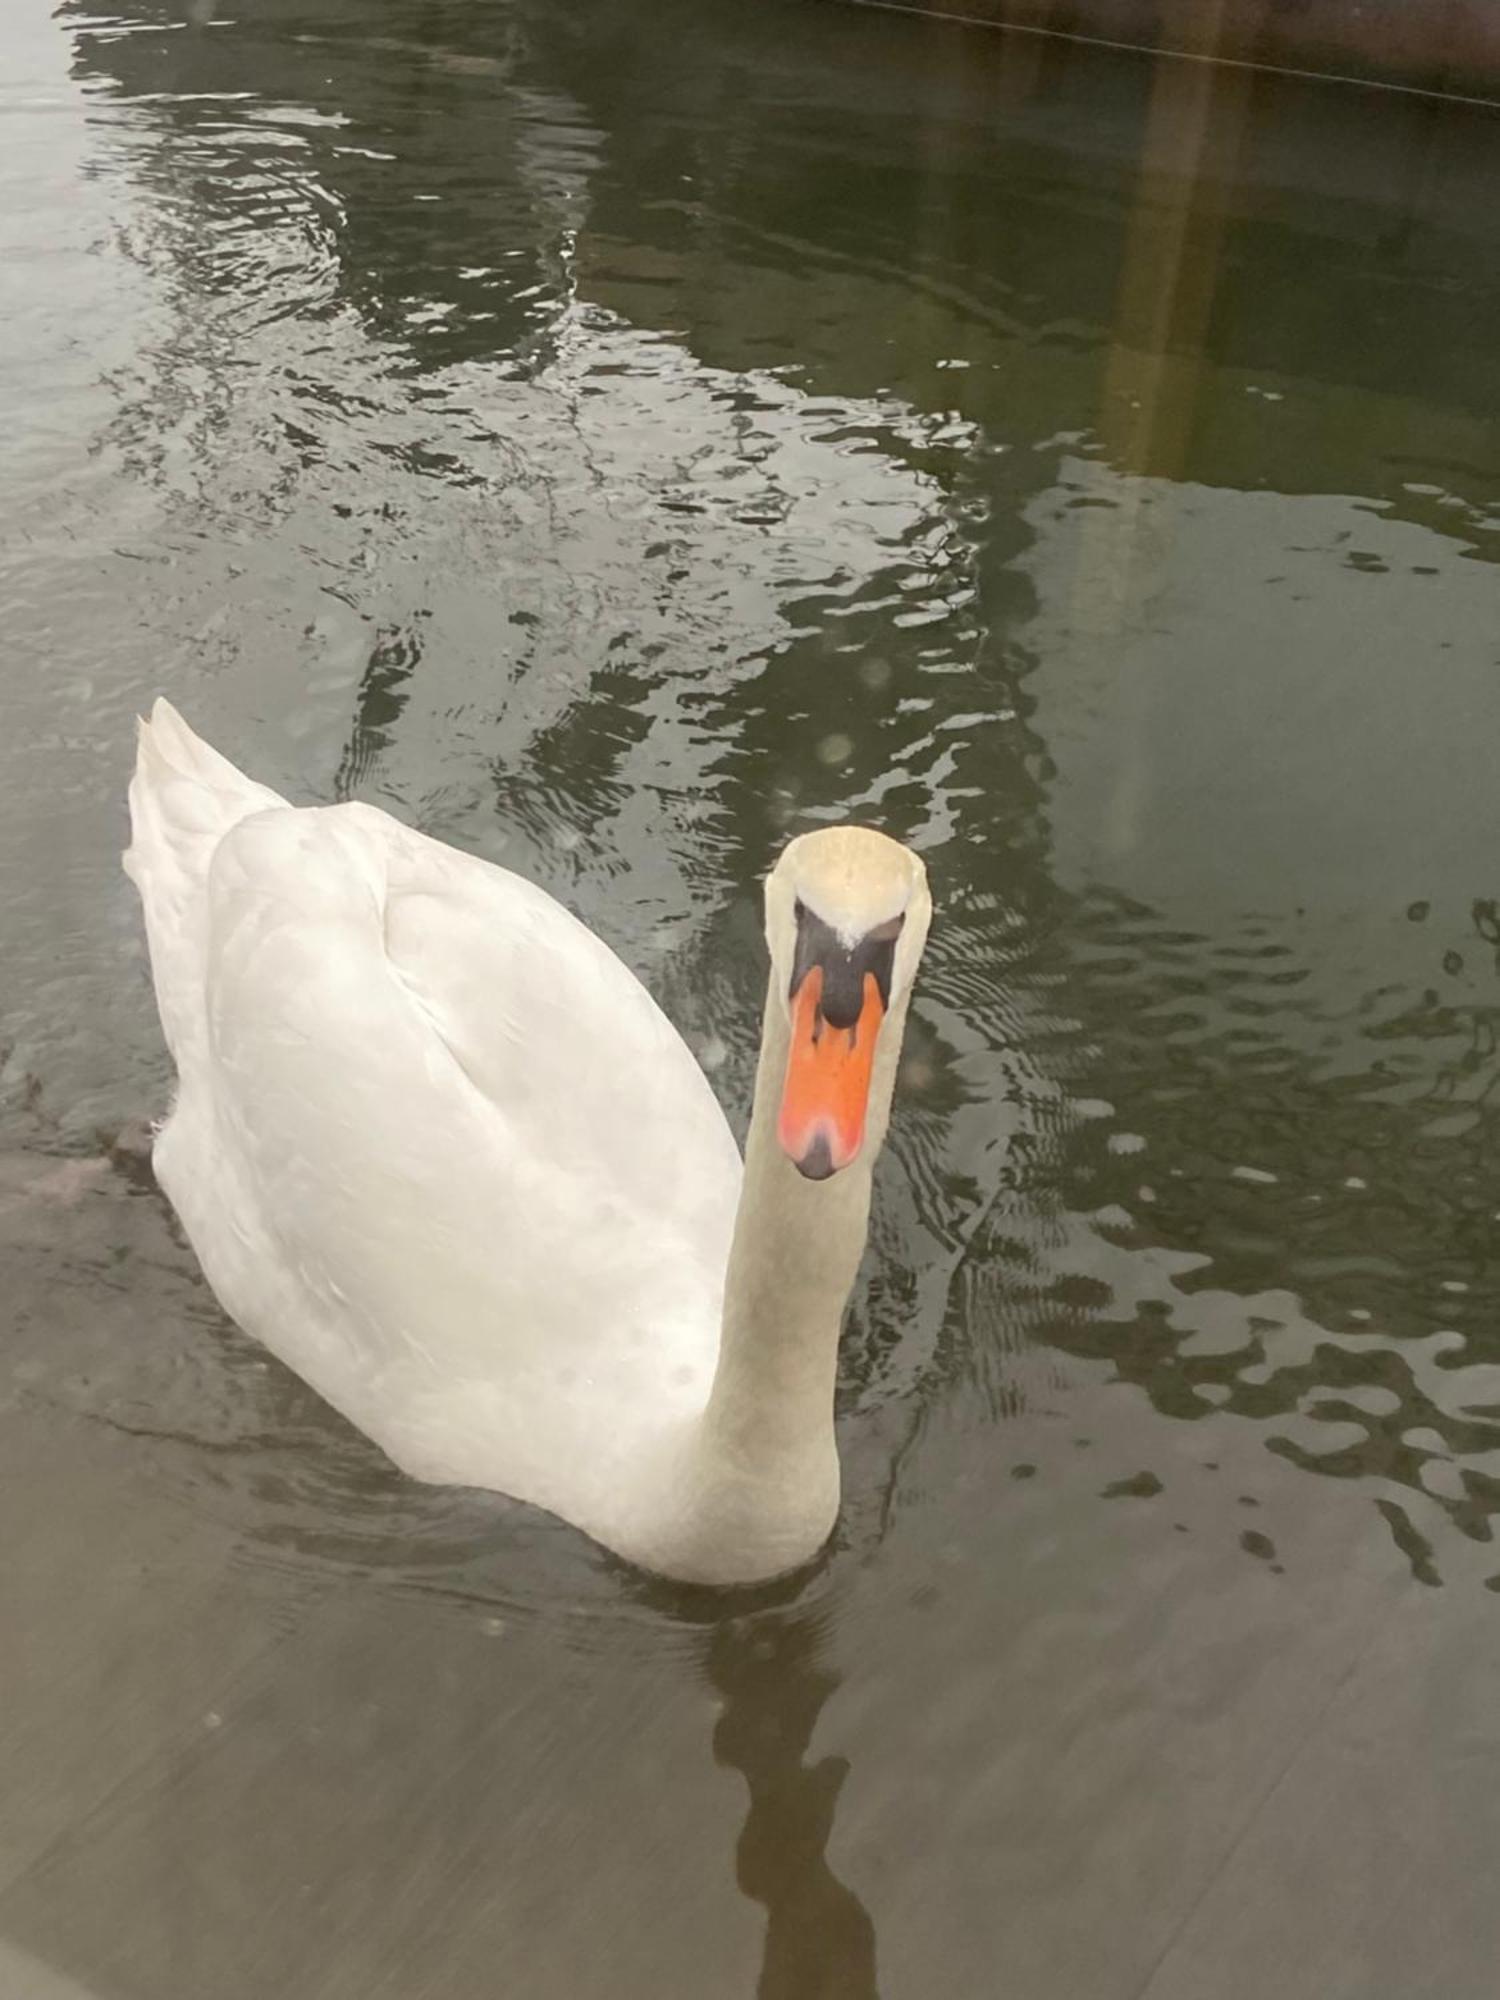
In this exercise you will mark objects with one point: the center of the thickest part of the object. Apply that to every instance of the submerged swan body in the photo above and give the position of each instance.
(440, 1151)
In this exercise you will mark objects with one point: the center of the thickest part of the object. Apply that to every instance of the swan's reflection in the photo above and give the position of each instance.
(820, 1941)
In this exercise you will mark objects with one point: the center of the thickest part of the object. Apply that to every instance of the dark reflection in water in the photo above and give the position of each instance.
(820, 1942)
(394, 656)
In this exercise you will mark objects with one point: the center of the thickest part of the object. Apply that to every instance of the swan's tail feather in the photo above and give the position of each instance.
(184, 797)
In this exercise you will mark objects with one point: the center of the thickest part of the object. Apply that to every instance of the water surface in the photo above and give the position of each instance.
(613, 438)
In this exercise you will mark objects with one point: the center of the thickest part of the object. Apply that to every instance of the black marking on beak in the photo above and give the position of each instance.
(816, 1164)
(843, 996)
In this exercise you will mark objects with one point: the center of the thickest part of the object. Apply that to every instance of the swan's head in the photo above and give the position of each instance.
(847, 911)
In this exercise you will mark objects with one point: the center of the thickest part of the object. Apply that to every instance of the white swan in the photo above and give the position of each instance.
(439, 1149)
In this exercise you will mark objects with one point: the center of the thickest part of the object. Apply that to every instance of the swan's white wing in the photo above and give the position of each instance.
(558, 1034)
(444, 1154)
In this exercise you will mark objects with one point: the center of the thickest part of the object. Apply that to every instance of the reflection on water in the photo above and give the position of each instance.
(820, 1943)
(615, 437)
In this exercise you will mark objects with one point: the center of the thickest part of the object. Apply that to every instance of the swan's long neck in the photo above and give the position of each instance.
(767, 1440)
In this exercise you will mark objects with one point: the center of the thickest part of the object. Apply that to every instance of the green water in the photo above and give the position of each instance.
(613, 437)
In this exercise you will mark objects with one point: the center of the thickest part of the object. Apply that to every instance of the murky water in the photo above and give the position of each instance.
(611, 437)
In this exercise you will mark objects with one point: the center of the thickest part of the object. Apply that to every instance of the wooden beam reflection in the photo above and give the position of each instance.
(1152, 372)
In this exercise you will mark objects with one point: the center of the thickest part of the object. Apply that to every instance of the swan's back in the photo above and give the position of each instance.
(434, 1144)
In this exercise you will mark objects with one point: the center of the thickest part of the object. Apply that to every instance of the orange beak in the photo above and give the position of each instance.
(827, 1088)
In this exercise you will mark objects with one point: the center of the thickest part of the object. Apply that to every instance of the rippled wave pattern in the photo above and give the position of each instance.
(613, 477)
